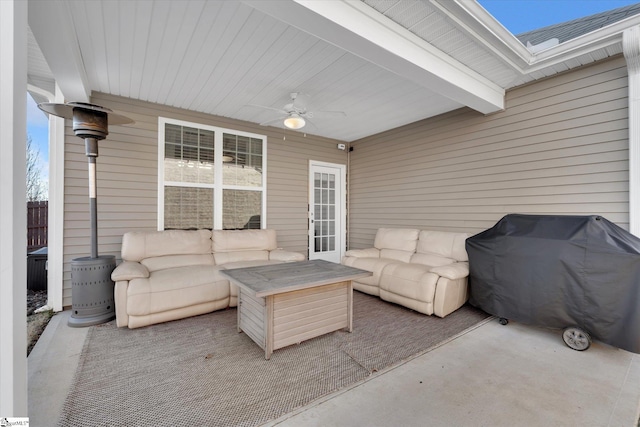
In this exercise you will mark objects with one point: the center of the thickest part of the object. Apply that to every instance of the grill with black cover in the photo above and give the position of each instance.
(560, 271)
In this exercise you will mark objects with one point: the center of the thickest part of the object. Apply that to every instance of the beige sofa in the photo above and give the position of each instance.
(426, 271)
(169, 275)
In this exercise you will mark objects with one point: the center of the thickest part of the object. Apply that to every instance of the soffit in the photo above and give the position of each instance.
(40, 75)
(220, 57)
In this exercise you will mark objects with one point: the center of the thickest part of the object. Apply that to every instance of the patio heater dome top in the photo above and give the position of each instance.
(89, 121)
(66, 111)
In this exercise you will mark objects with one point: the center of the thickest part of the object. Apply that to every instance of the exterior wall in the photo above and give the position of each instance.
(560, 147)
(127, 175)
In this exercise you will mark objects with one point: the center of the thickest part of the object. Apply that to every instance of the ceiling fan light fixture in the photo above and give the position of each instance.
(294, 121)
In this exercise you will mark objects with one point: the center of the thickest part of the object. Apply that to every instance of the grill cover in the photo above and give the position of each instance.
(560, 271)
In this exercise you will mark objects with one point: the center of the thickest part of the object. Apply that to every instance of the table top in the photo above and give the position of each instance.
(290, 276)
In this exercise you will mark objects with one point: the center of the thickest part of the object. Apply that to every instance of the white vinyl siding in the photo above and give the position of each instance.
(560, 147)
(127, 171)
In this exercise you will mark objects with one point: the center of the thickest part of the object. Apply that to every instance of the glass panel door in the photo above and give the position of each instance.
(325, 213)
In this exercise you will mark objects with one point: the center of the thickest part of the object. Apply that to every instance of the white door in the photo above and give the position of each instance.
(327, 208)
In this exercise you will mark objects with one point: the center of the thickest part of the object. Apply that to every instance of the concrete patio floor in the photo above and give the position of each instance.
(493, 375)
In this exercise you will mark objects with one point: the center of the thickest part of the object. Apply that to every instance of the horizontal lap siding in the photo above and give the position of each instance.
(127, 169)
(560, 147)
(252, 318)
(308, 313)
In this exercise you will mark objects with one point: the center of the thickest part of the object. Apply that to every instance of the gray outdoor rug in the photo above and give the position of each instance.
(201, 372)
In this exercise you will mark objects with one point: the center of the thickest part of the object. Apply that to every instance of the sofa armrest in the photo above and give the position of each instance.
(286, 256)
(457, 270)
(364, 253)
(128, 270)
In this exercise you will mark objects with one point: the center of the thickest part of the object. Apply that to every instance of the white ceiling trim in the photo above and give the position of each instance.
(358, 29)
(486, 30)
(39, 94)
(52, 27)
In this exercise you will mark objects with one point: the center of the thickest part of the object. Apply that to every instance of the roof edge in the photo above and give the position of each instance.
(586, 43)
(471, 17)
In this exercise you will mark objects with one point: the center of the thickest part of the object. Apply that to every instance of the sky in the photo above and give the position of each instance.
(517, 16)
(520, 16)
(38, 130)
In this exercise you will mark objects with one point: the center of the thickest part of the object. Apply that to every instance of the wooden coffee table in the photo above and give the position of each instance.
(284, 304)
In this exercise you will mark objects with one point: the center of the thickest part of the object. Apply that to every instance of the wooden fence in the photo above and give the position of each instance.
(37, 225)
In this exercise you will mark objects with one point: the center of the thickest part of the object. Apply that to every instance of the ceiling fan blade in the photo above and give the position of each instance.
(309, 125)
(272, 121)
(280, 110)
(326, 114)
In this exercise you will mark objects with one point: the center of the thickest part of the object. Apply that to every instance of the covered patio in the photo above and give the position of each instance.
(489, 375)
(433, 115)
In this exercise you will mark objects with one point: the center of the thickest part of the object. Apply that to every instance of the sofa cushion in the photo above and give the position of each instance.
(175, 288)
(401, 239)
(363, 253)
(404, 256)
(285, 256)
(138, 245)
(249, 263)
(431, 260)
(442, 243)
(173, 261)
(244, 240)
(241, 256)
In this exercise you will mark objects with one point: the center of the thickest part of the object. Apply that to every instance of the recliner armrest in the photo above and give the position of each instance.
(286, 256)
(364, 253)
(457, 270)
(128, 270)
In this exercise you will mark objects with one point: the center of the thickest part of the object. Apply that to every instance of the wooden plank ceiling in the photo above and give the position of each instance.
(221, 57)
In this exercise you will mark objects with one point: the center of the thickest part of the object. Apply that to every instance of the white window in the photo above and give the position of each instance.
(210, 177)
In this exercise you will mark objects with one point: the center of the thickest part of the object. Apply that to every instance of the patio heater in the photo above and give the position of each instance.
(92, 300)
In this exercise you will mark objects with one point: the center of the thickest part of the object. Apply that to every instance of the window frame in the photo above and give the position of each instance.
(218, 185)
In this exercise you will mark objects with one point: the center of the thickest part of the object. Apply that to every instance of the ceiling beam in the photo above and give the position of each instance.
(52, 27)
(362, 31)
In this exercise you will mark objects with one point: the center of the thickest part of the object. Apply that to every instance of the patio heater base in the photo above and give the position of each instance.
(92, 300)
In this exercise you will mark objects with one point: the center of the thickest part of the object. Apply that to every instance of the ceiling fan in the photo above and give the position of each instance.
(295, 114)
